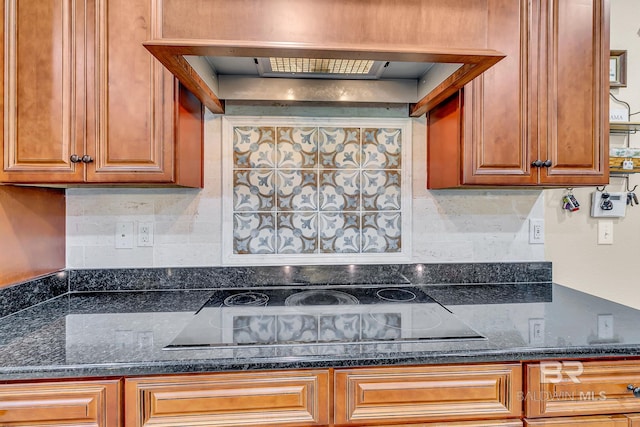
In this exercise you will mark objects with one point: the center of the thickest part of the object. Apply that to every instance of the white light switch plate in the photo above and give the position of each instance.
(605, 232)
(536, 331)
(605, 326)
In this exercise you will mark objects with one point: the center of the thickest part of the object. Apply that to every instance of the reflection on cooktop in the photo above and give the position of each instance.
(289, 316)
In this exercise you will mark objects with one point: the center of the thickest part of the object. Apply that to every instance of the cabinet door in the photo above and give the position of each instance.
(287, 399)
(43, 91)
(486, 423)
(573, 107)
(486, 134)
(595, 421)
(69, 403)
(634, 420)
(130, 101)
(499, 129)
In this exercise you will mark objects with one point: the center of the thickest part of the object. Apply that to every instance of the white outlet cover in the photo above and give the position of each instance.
(124, 235)
(605, 326)
(145, 234)
(536, 231)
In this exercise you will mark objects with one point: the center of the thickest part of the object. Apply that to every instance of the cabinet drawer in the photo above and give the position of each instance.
(485, 423)
(581, 388)
(594, 421)
(298, 398)
(72, 403)
(432, 393)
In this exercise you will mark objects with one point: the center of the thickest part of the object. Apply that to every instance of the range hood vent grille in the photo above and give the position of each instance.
(320, 68)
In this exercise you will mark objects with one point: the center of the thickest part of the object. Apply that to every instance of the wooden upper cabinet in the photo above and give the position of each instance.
(574, 98)
(498, 128)
(130, 98)
(43, 108)
(81, 83)
(545, 102)
(486, 134)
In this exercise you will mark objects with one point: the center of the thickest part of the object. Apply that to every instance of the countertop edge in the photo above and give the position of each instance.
(150, 368)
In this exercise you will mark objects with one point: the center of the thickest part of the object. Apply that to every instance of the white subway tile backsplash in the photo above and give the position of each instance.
(188, 255)
(447, 226)
(109, 257)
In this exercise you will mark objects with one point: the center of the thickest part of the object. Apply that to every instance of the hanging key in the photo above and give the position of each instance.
(635, 198)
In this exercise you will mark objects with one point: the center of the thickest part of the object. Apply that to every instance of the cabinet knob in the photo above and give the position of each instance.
(635, 390)
(539, 163)
(86, 159)
(75, 158)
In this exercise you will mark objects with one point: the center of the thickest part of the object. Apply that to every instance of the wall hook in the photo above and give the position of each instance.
(627, 185)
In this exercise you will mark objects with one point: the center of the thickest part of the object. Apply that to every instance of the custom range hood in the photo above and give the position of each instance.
(283, 52)
(220, 71)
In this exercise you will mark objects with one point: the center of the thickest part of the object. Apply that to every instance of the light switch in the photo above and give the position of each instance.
(605, 232)
(536, 331)
(605, 326)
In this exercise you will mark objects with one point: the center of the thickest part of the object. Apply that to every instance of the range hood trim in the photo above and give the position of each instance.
(172, 53)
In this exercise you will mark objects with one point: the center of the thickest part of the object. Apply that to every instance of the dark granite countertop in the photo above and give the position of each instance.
(123, 333)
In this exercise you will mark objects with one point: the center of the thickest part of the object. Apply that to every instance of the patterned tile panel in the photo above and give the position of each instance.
(254, 147)
(309, 190)
(339, 148)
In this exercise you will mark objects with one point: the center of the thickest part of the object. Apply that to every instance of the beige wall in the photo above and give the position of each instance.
(610, 271)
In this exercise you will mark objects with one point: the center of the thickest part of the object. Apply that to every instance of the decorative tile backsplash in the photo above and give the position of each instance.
(310, 188)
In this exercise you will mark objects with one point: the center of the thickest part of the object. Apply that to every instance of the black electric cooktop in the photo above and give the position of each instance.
(295, 315)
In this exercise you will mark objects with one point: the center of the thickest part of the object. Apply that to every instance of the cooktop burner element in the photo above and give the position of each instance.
(344, 315)
(396, 295)
(320, 297)
(246, 299)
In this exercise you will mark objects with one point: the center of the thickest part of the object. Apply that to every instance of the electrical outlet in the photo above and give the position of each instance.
(605, 232)
(124, 235)
(145, 234)
(536, 231)
(536, 331)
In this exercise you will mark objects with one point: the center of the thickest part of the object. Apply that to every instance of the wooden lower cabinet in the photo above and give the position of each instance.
(576, 393)
(570, 388)
(68, 403)
(555, 393)
(489, 423)
(283, 398)
(594, 421)
(366, 396)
